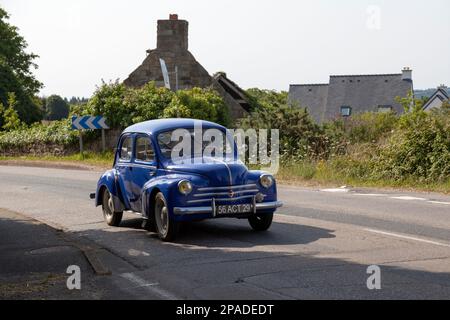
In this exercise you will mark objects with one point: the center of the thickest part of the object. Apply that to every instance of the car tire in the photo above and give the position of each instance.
(166, 227)
(112, 218)
(262, 222)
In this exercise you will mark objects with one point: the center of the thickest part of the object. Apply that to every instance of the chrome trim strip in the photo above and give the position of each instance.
(220, 199)
(206, 210)
(223, 193)
(136, 165)
(227, 188)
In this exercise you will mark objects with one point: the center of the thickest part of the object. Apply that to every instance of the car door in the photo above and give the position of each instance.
(144, 168)
(124, 166)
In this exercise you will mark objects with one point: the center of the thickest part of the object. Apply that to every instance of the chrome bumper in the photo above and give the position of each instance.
(211, 209)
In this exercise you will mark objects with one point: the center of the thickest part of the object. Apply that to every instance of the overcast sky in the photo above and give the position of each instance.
(266, 44)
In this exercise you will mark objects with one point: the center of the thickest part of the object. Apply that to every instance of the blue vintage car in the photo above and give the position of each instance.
(145, 179)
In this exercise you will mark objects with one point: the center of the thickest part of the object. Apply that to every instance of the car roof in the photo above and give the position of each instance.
(160, 125)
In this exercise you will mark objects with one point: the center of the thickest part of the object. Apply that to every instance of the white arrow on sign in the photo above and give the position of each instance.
(76, 122)
(102, 123)
(89, 123)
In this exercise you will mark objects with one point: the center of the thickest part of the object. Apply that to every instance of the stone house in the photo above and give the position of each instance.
(345, 95)
(172, 47)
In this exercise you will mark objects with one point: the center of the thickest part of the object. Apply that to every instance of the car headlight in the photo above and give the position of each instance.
(185, 187)
(266, 180)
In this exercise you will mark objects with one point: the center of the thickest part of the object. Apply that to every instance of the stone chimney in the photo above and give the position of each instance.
(172, 34)
(407, 74)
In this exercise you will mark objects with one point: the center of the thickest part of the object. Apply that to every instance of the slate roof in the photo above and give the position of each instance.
(365, 92)
(440, 94)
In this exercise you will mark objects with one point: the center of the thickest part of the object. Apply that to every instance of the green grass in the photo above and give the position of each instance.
(102, 160)
(324, 173)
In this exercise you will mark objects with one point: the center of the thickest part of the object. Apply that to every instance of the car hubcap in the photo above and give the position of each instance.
(107, 205)
(110, 205)
(162, 214)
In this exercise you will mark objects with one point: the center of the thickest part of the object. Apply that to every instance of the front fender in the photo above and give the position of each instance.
(168, 186)
(108, 180)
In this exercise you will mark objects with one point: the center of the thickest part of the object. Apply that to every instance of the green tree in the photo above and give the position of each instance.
(269, 99)
(16, 71)
(11, 119)
(197, 103)
(56, 107)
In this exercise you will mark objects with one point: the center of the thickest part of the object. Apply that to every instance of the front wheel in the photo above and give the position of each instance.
(112, 218)
(261, 223)
(167, 228)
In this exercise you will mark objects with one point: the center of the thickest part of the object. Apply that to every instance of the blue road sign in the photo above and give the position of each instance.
(89, 122)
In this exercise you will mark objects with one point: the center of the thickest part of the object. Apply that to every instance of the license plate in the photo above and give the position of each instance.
(234, 208)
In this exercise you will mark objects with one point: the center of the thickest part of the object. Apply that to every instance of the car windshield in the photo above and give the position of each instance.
(189, 143)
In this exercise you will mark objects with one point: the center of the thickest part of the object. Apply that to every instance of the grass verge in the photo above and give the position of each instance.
(98, 160)
(303, 173)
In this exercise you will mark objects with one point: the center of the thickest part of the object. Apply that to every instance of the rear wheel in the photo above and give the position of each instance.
(112, 218)
(262, 222)
(167, 228)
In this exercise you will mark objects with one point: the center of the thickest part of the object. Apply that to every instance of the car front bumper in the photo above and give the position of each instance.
(181, 211)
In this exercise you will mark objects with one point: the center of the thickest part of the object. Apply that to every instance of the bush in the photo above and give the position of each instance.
(420, 148)
(198, 103)
(57, 133)
(123, 106)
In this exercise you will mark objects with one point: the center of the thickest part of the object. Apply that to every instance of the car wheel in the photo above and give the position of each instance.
(167, 228)
(112, 218)
(261, 223)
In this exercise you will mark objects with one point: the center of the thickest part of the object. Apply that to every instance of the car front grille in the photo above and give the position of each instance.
(224, 194)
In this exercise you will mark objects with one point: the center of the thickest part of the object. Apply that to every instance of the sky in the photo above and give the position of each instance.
(259, 43)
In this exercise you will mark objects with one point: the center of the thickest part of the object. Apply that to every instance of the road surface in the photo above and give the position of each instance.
(319, 247)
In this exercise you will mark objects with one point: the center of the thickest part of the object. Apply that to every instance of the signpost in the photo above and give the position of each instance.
(90, 123)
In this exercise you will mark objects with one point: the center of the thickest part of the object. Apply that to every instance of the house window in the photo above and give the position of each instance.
(385, 108)
(346, 111)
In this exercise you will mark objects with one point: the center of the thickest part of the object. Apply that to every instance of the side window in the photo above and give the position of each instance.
(126, 149)
(144, 149)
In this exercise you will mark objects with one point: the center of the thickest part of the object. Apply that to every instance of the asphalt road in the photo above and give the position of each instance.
(319, 247)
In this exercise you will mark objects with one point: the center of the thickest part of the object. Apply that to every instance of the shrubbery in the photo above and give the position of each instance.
(123, 106)
(56, 133)
(366, 147)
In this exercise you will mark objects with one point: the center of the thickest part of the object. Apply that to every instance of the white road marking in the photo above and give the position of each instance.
(335, 190)
(408, 198)
(408, 237)
(439, 202)
(151, 287)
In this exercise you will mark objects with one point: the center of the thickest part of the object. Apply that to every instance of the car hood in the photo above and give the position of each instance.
(219, 172)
